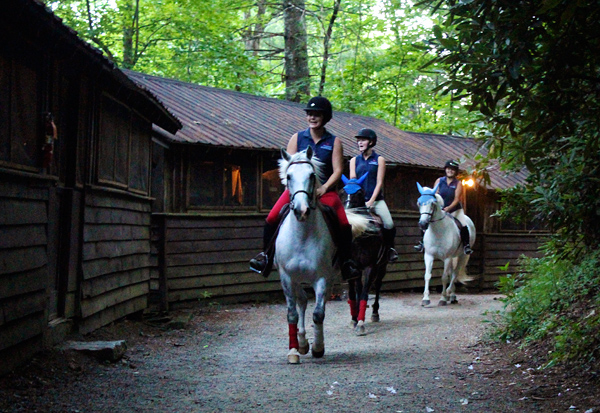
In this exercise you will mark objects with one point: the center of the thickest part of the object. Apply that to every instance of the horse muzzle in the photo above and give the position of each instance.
(301, 213)
(423, 225)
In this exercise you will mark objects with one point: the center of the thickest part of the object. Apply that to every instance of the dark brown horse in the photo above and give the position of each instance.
(370, 253)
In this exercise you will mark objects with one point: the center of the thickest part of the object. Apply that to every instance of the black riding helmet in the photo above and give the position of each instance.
(320, 104)
(452, 164)
(369, 134)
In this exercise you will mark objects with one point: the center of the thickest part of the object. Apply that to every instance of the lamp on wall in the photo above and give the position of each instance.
(468, 182)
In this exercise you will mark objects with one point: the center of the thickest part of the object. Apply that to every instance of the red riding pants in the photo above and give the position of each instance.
(330, 199)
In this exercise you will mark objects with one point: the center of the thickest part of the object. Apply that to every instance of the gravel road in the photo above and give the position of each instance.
(233, 359)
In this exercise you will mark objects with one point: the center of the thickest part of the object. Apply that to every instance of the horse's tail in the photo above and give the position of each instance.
(360, 223)
(462, 275)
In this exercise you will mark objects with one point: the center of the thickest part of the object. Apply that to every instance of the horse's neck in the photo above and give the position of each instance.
(439, 219)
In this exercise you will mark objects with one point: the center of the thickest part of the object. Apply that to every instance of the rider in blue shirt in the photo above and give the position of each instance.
(450, 189)
(373, 163)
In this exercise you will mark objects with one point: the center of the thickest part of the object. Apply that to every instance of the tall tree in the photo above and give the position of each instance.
(297, 74)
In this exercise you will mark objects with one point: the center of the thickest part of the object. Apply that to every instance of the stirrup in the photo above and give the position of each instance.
(392, 255)
(468, 250)
(259, 263)
(419, 247)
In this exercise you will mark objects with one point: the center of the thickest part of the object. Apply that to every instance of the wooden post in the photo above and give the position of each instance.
(163, 288)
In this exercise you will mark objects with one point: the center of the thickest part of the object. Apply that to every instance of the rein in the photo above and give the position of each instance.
(433, 212)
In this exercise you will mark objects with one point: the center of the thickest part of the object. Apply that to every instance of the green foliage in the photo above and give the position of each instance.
(558, 301)
(531, 69)
(375, 65)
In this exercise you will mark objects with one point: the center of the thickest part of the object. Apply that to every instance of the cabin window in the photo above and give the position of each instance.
(124, 155)
(271, 183)
(20, 113)
(222, 179)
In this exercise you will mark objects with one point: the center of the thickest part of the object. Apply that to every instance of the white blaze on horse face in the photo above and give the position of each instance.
(426, 210)
(301, 187)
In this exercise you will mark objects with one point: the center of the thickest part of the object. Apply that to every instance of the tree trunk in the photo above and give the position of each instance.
(336, 8)
(297, 74)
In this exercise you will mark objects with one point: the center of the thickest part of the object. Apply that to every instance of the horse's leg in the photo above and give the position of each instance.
(362, 304)
(352, 303)
(461, 263)
(318, 347)
(445, 276)
(302, 301)
(428, 269)
(292, 318)
(381, 270)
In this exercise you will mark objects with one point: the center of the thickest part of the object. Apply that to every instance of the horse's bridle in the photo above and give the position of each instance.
(431, 212)
(311, 197)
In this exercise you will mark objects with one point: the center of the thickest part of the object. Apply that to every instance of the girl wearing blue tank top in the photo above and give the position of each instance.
(373, 163)
(329, 150)
(450, 189)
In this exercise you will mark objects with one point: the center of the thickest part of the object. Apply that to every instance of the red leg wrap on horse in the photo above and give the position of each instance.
(293, 336)
(362, 310)
(353, 309)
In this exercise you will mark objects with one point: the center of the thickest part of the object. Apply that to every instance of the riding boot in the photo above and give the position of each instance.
(389, 236)
(350, 270)
(420, 247)
(464, 237)
(263, 262)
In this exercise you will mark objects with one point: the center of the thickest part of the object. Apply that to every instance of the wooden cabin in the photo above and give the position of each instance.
(75, 200)
(217, 179)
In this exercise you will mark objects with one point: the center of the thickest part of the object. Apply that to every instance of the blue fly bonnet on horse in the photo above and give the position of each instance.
(352, 186)
(427, 194)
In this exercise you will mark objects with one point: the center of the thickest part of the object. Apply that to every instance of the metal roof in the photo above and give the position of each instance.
(226, 118)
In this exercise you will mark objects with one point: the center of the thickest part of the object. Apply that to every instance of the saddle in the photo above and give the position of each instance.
(329, 215)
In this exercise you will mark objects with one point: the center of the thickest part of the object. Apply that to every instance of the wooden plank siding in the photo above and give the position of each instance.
(116, 257)
(24, 270)
(206, 257)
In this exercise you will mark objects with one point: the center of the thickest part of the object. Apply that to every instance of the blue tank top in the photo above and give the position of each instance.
(370, 165)
(447, 192)
(323, 150)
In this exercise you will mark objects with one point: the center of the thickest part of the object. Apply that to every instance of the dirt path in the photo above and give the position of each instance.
(233, 359)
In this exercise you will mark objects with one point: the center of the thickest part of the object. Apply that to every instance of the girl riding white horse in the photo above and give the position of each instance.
(442, 240)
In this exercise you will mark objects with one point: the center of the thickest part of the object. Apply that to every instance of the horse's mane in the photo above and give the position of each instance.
(317, 164)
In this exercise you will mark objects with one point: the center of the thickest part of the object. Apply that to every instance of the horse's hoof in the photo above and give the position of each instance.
(293, 356)
(352, 324)
(318, 353)
(303, 349)
(360, 329)
(453, 300)
(425, 302)
(375, 318)
(442, 303)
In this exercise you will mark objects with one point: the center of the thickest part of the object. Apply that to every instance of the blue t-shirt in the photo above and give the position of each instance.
(323, 150)
(448, 192)
(371, 165)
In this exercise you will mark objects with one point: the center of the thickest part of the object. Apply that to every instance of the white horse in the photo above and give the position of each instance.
(442, 241)
(304, 252)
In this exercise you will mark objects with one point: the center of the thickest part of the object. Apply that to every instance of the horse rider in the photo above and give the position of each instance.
(450, 189)
(370, 161)
(328, 149)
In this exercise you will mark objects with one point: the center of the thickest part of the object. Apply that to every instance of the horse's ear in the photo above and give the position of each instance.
(362, 178)
(435, 188)
(309, 152)
(344, 179)
(420, 188)
(285, 155)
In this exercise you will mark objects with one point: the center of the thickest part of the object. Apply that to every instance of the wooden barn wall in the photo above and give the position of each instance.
(24, 268)
(116, 257)
(206, 258)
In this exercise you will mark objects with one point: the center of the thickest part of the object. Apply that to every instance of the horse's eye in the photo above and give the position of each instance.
(288, 177)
